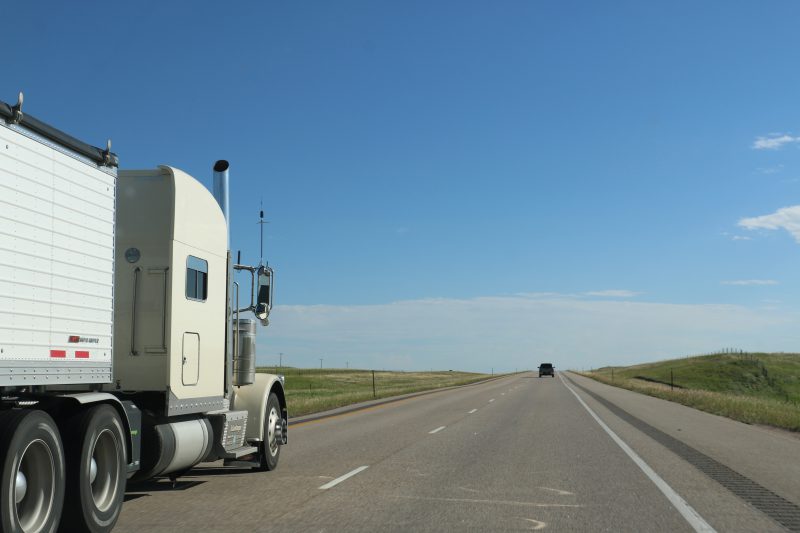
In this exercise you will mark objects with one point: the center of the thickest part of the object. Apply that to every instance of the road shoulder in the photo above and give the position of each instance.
(762, 456)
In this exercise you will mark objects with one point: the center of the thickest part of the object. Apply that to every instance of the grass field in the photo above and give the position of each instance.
(757, 388)
(313, 390)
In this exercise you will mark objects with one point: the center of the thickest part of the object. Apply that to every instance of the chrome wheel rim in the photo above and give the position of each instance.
(20, 487)
(34, 486)
(103, 475)
(272, 422)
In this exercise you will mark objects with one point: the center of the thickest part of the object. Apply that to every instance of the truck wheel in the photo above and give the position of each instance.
(269, 450)
(32, 474)
(96, 470)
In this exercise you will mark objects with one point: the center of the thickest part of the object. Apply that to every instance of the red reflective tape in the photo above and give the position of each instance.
(82, 355)
(58, 353)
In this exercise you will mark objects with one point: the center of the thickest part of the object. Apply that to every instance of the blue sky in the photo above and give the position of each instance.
(464, 184)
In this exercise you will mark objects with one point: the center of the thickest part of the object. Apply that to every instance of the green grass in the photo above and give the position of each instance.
(315, 390)
(757, 388)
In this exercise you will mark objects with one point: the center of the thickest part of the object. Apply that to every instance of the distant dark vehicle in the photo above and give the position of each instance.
(547, 369)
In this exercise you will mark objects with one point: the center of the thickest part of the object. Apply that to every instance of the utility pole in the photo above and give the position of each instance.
(320, 363)
(280, 359)
(347, 364)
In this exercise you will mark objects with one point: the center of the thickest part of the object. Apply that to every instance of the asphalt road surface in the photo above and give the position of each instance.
(514, 454)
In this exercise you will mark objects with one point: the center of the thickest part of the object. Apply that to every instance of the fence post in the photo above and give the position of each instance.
(671, 381)
(374, 395)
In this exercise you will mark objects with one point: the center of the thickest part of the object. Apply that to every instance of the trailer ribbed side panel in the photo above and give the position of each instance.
(56, 263)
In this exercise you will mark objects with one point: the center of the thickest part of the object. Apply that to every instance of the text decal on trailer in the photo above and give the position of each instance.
(78, 338)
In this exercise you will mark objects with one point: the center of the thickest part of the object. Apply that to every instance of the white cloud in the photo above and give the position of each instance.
(514, 332)
(770, 170)
(787, 218)
(614, 293)
(773, 141)
(750, 282)
(736, 237)
(546, 295)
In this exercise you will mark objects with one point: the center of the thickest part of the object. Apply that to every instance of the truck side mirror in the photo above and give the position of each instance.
(264, 294)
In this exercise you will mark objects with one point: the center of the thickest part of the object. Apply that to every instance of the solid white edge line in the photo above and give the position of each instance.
(472, 411)
(687, 511)
(339, 479)
(437, 430)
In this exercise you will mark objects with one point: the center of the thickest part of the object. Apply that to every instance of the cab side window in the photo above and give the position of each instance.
(196, 278)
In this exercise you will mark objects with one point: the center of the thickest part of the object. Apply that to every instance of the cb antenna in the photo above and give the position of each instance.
(261, 223)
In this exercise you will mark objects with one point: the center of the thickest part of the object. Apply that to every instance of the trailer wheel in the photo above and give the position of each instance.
(270, 448)
(32, 474)
(96, 470)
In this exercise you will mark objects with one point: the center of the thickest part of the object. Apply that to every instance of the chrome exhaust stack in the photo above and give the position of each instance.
(221, 192)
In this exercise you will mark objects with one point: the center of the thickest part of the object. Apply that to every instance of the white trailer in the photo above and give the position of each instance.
(125, 351)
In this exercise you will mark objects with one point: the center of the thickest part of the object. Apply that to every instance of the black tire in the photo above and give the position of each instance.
(94, 442)
(30, 445)
(269, 450)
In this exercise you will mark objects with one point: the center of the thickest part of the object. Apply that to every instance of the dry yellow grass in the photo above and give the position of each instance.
(315, 390)
(748, 409)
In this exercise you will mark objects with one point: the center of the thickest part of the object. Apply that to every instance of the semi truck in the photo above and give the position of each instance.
(127, 331)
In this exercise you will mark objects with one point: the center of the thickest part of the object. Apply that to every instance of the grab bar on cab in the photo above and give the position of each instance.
(133, 311)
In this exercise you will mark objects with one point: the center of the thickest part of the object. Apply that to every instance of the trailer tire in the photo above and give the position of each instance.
(269, 450)
(31, 462)
(96, 470)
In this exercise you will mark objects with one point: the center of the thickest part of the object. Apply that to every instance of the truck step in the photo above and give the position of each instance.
(237, 453)
(230, 428)
(242, 464)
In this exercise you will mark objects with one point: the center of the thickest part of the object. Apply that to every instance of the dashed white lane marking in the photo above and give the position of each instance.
(437, 430)
(490, 401)
(558, 491)
(687, 511)
(339, 479)
(537, 524)
(472, 411)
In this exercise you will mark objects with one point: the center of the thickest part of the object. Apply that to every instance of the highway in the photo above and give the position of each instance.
(517, 453)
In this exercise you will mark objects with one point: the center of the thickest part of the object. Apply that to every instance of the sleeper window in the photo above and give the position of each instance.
(196, 278)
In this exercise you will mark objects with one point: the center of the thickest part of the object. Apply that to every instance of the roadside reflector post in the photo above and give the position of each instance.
(671, 381)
